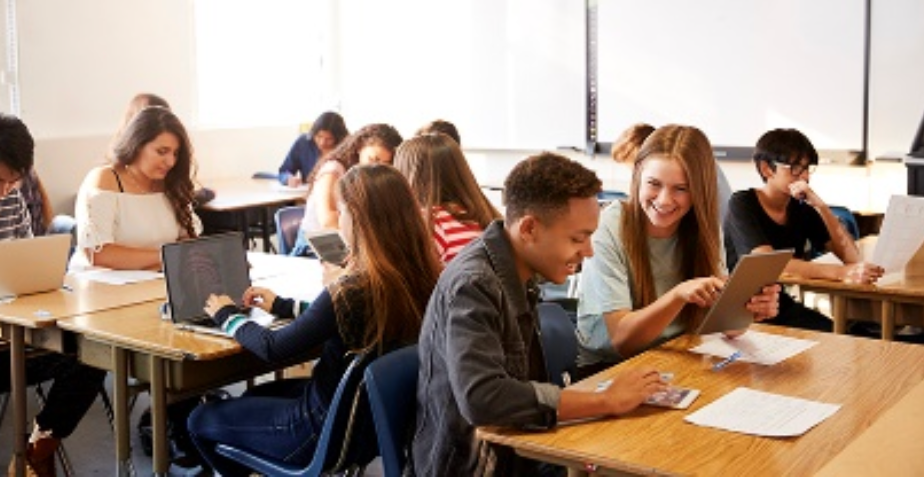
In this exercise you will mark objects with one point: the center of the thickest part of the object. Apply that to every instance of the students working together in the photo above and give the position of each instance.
(433, 261)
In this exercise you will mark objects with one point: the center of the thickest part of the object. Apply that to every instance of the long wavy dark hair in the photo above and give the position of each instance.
(347, 152)
(146, 126)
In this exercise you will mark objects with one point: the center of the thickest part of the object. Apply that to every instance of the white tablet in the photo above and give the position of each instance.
(329, 246)
(752, 272)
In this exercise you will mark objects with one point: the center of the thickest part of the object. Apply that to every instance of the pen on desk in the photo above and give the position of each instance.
(724, 363)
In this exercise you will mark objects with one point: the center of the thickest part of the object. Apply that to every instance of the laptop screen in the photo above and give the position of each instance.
(195, 268)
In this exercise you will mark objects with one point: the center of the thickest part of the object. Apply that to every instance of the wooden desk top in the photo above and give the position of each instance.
(139, 327)
(236, 194)
(865, 376)
(85, 296)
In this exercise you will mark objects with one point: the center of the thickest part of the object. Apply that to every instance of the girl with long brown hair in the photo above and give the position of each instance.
(658, 259)
(455, 208)
(375, 306)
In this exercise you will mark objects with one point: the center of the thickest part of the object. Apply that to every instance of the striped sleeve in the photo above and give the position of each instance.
(15, 221)
(450, 234)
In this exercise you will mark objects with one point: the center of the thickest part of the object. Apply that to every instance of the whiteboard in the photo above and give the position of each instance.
(509, 73)
(734, 68)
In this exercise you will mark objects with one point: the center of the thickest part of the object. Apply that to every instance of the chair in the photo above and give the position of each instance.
(391, 385)
(559, 343)
(847, 220)
(328, 456)
(288, 219)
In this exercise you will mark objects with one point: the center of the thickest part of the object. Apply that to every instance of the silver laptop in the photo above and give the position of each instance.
(33, 265)
(752, 272)
(194, 269)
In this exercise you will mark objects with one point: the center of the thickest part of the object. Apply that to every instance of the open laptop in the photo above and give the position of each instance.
(752, 272)
(33, 265)
(194, 269)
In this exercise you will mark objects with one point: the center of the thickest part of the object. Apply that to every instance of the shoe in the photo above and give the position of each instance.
(40, 458)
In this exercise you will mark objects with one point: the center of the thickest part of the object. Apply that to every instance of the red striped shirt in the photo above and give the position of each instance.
(451, 235)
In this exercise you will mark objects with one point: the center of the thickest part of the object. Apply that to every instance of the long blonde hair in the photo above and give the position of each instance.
(698, 233)
(393, 258)
(439, 176)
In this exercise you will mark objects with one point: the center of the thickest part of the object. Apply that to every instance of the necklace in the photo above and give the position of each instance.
(136, 182)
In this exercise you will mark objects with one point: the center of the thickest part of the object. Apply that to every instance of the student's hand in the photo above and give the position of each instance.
(702, 291)
(259, 297)
(294, 180)
(800, 190)
(629, 389)
(861, 273)
(765, 304)
(215, 303)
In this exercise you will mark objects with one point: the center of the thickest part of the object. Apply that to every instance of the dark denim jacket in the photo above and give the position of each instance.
(481, 361)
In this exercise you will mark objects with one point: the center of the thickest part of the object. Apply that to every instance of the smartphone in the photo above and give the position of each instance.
(673, 397)
(329, 246)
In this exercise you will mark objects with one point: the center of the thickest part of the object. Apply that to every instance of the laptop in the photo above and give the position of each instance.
(33, 265)
(752, 272)
(196, 268)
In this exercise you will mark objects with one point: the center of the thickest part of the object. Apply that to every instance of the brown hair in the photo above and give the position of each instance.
(145, 127)
(625, 148)
(347, 152)
(542, 185)
(441, 126)
(393, 258)
(439, 176)
(698, 232)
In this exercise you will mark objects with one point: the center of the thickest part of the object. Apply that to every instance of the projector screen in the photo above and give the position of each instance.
(733, 68)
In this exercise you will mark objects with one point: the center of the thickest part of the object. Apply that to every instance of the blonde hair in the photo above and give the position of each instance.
(698, 233)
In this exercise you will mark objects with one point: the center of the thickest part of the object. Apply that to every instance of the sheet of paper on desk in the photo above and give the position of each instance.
(744, 410)
(755, 347)
(902, 233)
(114, 277)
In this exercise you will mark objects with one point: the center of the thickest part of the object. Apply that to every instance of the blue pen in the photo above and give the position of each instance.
(724, 363)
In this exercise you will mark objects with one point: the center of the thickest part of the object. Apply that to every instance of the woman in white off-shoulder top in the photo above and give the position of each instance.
(128, 209)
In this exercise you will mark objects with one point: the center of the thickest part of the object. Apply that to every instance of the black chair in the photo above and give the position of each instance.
(288, 219)
(331, 448)
(391, 385)
(558, 343)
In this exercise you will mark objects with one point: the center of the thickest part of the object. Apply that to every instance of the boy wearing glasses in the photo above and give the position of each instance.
(786, 213)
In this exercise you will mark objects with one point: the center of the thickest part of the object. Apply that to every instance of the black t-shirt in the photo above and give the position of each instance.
(748, 226)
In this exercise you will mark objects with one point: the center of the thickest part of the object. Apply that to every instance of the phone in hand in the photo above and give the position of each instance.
(329, 246)
(673, 397)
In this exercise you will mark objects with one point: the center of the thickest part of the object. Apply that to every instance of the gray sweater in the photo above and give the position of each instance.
(481, 363)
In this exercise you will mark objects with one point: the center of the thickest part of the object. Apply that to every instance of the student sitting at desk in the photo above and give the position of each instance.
(374, 143)
(327, 131)
(375, 306)
(786, 213)
(75, 385)
(441, 126)
(659, 261)
(128, 209)
(454, 205)
(481, 355)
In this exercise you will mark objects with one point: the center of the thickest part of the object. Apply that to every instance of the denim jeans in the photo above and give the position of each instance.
(74, 390)
(280, 420)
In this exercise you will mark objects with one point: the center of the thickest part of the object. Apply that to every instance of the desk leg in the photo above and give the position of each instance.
(264, 212)
(159, 416)
(120, 413)
(839, 311)
(18, 395)
(888, 320)
(244, 226)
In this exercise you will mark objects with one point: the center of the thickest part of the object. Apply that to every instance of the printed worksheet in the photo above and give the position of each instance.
(754, 347)
(902, 233)
(744, 410)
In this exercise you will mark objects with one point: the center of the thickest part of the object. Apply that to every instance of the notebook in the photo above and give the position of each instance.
(196, 268)
(752, 272)
(33, 265)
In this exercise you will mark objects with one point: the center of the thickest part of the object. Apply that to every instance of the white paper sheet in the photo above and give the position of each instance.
(902, 233)
(116, 277)
(754, 412)
(755, 347)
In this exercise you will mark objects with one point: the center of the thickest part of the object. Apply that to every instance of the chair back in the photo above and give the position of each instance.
(288, 219)
(559, 344)
(845, 216)
(333, 434)
(391, 385)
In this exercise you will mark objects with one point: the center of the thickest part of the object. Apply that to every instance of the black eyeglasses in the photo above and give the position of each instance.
(798, 169)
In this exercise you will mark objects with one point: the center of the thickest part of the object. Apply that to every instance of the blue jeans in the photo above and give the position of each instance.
(301, 248)
(280, 420)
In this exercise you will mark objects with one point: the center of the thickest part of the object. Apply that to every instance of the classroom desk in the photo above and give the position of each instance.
(31, 319)
(867, 377)
(133, 341)
(238, 196)
(891, 292)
